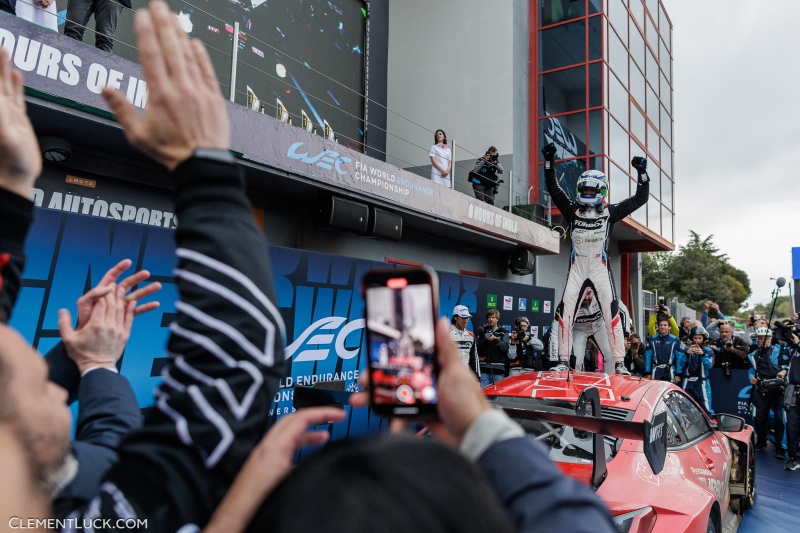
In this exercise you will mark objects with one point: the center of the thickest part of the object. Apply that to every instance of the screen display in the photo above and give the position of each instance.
(400, 328)
(280, 42)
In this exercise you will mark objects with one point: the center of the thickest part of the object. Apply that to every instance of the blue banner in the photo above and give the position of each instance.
(318, 296)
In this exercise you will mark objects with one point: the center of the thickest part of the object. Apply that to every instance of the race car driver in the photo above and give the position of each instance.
(590, 221)
(464, 338)
(694, 363)
(589, 323)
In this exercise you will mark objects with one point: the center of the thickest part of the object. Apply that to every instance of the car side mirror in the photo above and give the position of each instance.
(729, 423)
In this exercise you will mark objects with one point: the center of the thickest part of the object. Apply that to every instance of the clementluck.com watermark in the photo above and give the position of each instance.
(15, 522)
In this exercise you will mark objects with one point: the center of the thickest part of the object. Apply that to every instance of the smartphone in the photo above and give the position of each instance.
(401, 310)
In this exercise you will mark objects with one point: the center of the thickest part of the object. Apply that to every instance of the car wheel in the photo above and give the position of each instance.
(711, 527)
(749, 499)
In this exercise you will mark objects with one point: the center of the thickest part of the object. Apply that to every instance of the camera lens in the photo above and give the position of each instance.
(488, 334)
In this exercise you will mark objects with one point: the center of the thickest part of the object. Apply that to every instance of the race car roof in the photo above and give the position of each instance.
(623, 392)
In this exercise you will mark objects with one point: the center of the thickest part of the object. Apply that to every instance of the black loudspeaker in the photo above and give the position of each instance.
(521, 261)
(344, 215)
(385, 224)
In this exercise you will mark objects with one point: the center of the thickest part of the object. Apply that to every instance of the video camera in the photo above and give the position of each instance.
(783, 332)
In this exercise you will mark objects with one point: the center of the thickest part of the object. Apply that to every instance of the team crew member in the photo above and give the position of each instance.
(660, 357)
(764, 366)
(464, 338)
(790, 403)
(590, 223)
(492, 344)
(693, 366)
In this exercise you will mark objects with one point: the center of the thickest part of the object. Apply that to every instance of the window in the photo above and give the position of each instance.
(618, 17)
(666, 224)
(652, 72)
(596, 84)
(563, 45)
(637, 124)
(595, 38)
(553, 11)
(691, 419)
(619, 143)
(568, 132)
(618, 184)
(618, 100)
(637, 8)
(666, 159)
(618, 57)
(654, 214)
(651, 33)
(637, 84)
(637, 47)
(652, 106)
(675, 436)
(563, 91)
(653, 142)
(595, 132)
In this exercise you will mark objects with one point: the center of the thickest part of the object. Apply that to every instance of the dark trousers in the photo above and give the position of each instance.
(484, 193)
(792, 430)
(105, 12)
(9, 6)
(763, 406)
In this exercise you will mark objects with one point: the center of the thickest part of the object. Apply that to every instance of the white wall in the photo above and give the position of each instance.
(450, 67)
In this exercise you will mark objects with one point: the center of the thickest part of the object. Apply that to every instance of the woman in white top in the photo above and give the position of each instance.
(41, 12)
(441, 159)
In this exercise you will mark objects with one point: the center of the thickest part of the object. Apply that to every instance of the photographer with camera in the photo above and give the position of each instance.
(768, 388)
(484, 176)
(661, 354)
(521, 357)
(694, 363)
(791, 406)
(634, 355)
(492, 343)
(662, 310)
(730, 352)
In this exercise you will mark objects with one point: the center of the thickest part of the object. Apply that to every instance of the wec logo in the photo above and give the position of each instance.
(321, 334)
(326, 159)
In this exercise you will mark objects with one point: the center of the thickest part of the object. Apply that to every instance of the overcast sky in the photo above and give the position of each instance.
(736, 73)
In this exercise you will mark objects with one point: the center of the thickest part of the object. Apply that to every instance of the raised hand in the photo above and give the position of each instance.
(20, 158)
(185, 109)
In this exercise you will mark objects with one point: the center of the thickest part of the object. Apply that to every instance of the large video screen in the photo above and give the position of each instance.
(300, 59)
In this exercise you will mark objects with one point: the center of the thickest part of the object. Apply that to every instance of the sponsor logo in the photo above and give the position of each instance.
(491, 301)
(656, 432)
(590, 225)
(535, 331)
(535, 306)
(327, 159)
(547, 306)
(523, 304)
(744, 394)
(508, 303)
(315, 343)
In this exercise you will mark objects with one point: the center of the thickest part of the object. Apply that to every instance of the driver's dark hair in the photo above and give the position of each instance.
(389, 484)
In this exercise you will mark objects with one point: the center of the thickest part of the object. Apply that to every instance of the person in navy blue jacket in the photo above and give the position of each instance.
(694, 363)
(661, 354)
(764, 365)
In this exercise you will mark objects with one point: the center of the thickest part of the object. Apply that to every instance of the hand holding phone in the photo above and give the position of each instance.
(400, 308)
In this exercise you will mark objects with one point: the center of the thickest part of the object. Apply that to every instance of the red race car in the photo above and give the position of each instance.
(657, 460)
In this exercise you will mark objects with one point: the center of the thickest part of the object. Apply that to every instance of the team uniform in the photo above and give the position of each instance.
(661, 357)
(465, 341)
(590, 227)
(694, 368)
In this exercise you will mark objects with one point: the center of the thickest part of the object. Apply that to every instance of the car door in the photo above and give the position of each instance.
(705, 457)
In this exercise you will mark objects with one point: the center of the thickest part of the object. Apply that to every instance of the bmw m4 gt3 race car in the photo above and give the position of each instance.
(657, 460)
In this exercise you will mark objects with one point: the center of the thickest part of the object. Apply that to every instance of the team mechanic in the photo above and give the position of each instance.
(590, 224)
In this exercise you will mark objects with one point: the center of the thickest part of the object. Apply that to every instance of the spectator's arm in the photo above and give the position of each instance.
(713, 330)
(704, 319)
(651, 325)
(503, 342)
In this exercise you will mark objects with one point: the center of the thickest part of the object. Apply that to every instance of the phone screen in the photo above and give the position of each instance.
(401, 314)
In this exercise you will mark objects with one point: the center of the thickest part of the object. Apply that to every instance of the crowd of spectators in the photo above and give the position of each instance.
(202, 459)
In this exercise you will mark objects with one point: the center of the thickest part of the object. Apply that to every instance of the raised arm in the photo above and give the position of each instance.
(560, 198)
(624, 208)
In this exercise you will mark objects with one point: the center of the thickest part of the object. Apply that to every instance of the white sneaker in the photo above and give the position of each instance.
(560, 367)
(619, 368)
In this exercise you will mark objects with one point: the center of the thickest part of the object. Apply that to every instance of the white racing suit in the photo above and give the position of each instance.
(589, 323)
(590, 228)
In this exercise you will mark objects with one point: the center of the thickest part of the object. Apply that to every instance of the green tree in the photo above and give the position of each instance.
(783, 308)
(695, 273)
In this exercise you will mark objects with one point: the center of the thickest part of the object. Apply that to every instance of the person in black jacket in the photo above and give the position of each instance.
(634, 355)
(492, 344)
(484, 176)
(791, 406)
